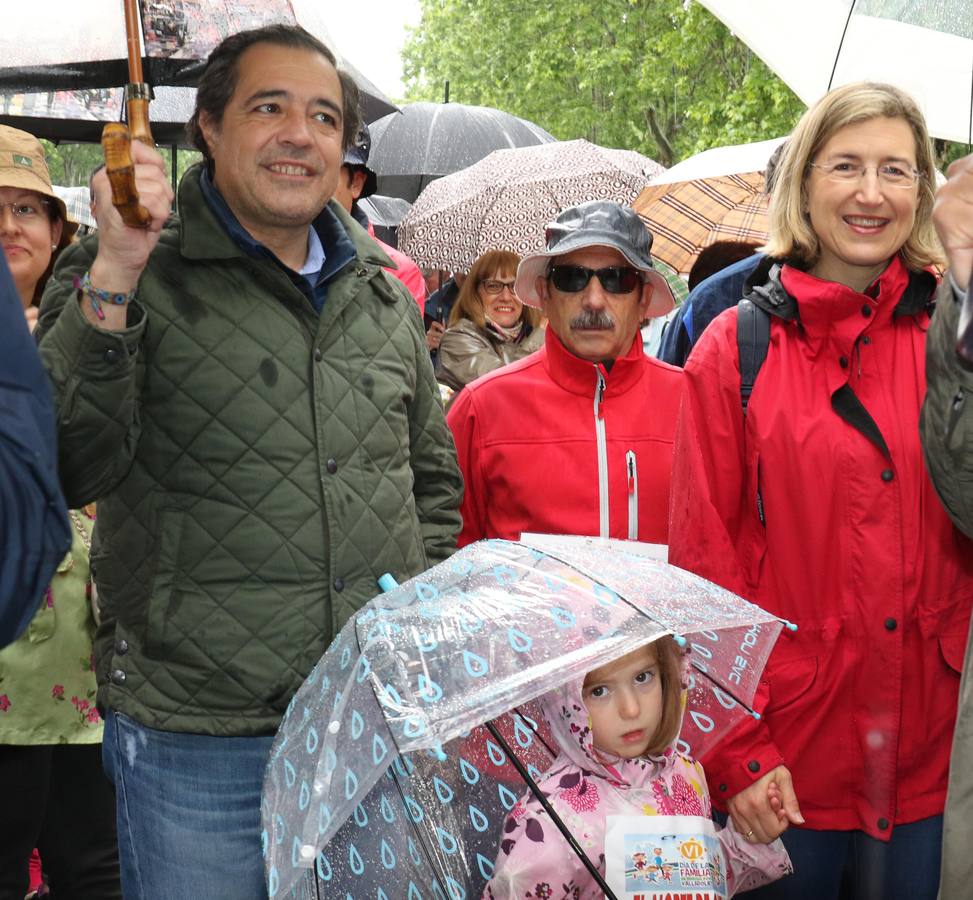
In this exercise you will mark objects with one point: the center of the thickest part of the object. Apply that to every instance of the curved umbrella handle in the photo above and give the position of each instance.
(115, 143)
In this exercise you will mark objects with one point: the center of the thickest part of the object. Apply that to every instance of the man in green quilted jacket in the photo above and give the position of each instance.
(947, 438)
(249, 397)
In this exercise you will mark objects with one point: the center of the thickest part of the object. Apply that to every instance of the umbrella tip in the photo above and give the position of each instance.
(790, 626)
(439, 754)
(755, 714)
(387, 583)
(680, 640)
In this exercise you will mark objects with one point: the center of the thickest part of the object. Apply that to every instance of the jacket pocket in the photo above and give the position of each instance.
(164, 599)
(789, 681)
(953, 648)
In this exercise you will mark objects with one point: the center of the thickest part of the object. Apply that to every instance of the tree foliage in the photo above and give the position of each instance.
(660, 76)
(71, 165)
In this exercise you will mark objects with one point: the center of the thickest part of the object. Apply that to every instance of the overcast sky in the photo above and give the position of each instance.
(370, 33)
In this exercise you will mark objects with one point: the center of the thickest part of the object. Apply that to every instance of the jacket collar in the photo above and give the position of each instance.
(764, 288)
(581, 377)
(206, 234)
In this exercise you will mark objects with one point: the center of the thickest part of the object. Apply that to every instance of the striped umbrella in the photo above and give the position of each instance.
(686, 216)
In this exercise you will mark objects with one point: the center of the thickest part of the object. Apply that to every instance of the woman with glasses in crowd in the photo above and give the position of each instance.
(54, 795)
(488, 326)
(813, 501)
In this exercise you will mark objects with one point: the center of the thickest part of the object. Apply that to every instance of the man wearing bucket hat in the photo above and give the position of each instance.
(356, 182)
(577, 438)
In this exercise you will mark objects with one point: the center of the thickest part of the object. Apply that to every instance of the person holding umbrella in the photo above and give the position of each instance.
(812, 500)
(249, 395)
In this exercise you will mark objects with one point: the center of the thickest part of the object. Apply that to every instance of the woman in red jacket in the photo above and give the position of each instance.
(815, 503)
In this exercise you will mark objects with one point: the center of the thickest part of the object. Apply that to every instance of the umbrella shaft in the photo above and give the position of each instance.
(555, 818)
(133, 24)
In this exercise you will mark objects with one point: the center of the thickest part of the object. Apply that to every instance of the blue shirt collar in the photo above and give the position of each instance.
(329, 247)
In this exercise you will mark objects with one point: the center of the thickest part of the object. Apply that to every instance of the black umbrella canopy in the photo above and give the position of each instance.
(52, 48)
(429, 140)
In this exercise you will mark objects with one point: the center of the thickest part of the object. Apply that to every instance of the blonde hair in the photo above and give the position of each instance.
(468, 304)
(791, 235)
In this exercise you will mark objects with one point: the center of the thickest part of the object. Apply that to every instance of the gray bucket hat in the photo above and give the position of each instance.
(598, 223)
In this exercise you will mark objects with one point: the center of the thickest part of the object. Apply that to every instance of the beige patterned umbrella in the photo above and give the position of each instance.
(504, 201)
(686, 216)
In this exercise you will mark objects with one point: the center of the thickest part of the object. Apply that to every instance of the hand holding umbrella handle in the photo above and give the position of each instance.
(115, 142)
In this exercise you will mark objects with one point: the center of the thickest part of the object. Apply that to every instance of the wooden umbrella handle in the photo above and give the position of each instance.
(116, 141)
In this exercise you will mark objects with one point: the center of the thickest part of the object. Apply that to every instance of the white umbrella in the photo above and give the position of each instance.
(738, 159)
(924, 48)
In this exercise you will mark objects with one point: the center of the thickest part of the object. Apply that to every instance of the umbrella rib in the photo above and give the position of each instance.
(395, 780)
(841, 43)
(555, 818)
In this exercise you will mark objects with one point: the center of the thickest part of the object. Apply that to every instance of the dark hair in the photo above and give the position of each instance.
(770, 170)
(718, 256)
(219, 79)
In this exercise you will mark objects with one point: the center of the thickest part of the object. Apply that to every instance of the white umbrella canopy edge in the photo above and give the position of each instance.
(936, 68)
(735, 159)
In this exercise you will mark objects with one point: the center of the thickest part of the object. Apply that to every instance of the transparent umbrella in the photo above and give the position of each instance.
(414, 735)
(63, 63)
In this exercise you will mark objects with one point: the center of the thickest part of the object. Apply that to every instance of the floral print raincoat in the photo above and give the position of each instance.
(535, 861)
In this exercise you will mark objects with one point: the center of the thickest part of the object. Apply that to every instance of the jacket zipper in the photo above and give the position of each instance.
(633, 495)
(602, 456)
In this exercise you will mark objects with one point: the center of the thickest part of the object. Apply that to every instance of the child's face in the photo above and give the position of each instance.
(624, 702)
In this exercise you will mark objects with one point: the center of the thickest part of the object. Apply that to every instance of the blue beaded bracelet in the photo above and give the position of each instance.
(98, 296)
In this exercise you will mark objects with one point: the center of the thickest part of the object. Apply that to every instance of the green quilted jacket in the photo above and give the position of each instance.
(257, 467)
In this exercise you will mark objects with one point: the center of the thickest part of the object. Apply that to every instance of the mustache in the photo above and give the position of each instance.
(593, 319)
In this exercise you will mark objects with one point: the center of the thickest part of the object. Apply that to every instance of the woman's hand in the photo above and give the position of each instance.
(30, 314)
(765, 810)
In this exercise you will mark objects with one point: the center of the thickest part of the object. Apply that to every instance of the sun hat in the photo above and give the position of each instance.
(23, 165)
(598, 223)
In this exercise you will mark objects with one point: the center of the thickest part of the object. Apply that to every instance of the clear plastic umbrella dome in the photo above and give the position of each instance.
(383, 781)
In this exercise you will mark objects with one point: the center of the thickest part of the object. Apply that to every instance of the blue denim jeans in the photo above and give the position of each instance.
(188, 811)
(850, 865)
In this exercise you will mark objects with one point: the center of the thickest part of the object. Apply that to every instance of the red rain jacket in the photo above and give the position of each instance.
(543, 448)
(860, 702)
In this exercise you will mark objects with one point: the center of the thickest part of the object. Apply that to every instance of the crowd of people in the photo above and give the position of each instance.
(259, 412)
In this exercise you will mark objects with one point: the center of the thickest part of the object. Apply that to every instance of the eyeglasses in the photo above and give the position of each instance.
(890, 175)
(27, 211)
(496, 287)
(614, 279)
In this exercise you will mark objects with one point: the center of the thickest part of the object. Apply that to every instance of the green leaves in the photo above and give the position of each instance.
(659, 76)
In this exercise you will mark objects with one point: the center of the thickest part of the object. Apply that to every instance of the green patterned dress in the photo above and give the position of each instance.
(47, 679)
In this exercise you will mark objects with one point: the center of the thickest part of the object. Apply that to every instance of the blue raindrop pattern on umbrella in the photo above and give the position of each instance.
(382, 779)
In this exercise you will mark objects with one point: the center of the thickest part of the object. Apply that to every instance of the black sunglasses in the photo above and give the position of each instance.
(614, 279)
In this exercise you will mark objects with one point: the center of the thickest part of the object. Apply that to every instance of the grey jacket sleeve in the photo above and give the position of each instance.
(96, 379)
(946, 426)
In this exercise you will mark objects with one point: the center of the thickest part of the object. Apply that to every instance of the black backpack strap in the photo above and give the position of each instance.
(753, 338)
